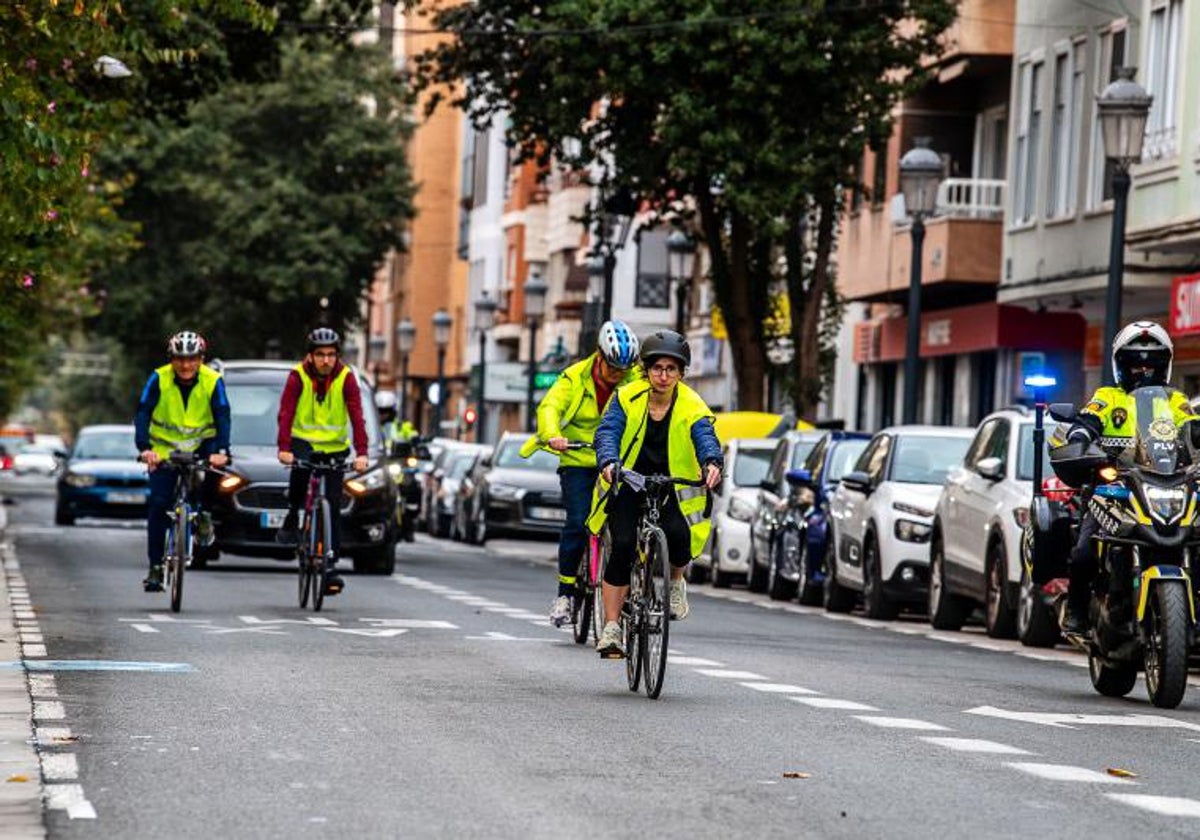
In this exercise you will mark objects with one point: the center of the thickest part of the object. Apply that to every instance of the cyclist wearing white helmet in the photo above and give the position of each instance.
(570, 413)
(183, 407)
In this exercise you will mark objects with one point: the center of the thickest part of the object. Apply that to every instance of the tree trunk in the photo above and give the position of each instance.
(807, 304)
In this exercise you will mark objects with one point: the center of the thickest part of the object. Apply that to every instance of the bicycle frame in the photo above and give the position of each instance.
(314, 552)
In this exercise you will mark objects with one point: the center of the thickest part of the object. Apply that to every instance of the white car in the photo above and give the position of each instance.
(727, 555)
(36, 459)
(975, 551)
(882, 516)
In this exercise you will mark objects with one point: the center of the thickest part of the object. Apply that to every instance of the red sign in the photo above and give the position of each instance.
(1185, 305)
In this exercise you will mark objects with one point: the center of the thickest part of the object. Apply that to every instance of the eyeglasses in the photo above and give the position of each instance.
(324, 354)
(664, 370)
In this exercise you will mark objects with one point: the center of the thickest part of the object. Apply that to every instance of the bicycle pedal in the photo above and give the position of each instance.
(611, 654)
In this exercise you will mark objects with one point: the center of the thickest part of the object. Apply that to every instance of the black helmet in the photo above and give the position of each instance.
(324, 337)
(666, 343)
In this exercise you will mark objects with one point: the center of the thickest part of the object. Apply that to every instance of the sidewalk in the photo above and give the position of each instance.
(20, 801)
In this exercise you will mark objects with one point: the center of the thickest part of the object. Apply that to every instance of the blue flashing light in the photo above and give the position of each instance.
(1040, 380)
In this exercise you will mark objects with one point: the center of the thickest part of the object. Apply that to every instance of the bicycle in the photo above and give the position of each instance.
(585, 602)
(645, 616)
(189, 468)
(314, 554)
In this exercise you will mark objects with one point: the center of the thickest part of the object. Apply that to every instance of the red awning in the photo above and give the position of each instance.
(971, 329)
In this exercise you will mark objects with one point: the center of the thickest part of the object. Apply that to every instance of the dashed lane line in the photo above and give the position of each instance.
(723, 674)
(1066, 773)
(1167, 806)
(778, 688)
(834, 703)
(901, 723)
(976, 745)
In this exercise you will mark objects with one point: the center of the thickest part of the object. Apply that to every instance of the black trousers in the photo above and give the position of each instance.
(622, 528)
(298, 485)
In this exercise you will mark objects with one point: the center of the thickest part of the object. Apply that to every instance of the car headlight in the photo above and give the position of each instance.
(504, 492)
(1166, 504)
(740, 509)
(368, 482)
(914, 532)
(911, 509)
(231, 483)
(79, 479)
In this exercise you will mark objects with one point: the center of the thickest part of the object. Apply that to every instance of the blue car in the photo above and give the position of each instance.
(833, 456)
(102, 477)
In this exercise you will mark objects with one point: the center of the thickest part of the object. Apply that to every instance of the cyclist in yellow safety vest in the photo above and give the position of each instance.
(655, 426)
(570, 413)
(183, 407)
(319, 411)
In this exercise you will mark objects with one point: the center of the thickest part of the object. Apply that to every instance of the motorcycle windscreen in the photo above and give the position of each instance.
(1157, 446)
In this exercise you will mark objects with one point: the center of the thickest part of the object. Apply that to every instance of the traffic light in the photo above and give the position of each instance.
(469, 416)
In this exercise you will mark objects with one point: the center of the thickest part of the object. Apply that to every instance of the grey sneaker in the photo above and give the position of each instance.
(679, 602)
(611, 645)
(560, 611)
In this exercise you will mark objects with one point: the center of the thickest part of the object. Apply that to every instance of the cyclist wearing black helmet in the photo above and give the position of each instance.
(320, 412)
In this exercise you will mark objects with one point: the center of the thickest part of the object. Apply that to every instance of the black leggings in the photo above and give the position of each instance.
(622, 528)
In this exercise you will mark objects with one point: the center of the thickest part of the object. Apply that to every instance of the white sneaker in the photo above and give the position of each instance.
(611, 646)
(679, 601)
(560, 611)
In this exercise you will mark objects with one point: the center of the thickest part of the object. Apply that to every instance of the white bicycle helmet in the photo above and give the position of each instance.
(618, 345)
(1142, 344)
(186, 343)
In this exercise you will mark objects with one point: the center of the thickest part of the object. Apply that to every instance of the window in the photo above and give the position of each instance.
(1064, 130)
(1162, 78)
(653, 284)
(879, 178)
(479, 176)
(1028, 133)
(981, 444)
(1110, 57)
(876, 458)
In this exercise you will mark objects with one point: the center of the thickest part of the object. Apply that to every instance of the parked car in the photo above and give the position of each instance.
(102, 477)
(833, 457)
(456, 464)
(252, 500)
(793, 448)
(726, 556)
(465, 523)
(882, 517)
(431, 476)
(519, 496)
(975, 550)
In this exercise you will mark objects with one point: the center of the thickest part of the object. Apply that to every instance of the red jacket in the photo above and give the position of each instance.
(291, 395)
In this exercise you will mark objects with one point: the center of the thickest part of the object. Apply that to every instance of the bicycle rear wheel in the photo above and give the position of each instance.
(316, 560)
(602, 548)
(631, 625)
(179, 557)
(581, 604)
(656, 624)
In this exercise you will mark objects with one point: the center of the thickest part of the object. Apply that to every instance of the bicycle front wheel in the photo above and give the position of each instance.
(581, 604)
(179, 557)
(316, 559)
(304, 568)
(601, 546)
(631, 626)
(656, 624)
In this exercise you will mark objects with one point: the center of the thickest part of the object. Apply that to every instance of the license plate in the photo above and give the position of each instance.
(118, 497)
(556, 514)
(271, 518)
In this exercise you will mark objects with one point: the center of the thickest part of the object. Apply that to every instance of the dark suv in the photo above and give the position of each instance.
(250, 507)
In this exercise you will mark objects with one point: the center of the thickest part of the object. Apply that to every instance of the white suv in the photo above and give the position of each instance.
(882, 515)
(975, 552)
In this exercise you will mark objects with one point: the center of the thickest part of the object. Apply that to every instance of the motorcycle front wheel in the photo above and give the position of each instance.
(1166, 654)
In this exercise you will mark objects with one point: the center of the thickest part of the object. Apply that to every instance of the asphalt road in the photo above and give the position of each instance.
(439, 702)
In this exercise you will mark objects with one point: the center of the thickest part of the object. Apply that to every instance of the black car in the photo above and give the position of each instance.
(102, 477)
(517, 496)
(251, 503)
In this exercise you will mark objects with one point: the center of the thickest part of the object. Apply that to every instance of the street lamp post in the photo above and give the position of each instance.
(1123, 108)
(406, 340)
(920, 173)
(442, 322)
(616, 217)
(485, 319)
(681, 252)
(535, 306)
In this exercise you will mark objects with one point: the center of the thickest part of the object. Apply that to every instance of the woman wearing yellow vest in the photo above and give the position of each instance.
(655, 426)
(183, 407)
(320, 407)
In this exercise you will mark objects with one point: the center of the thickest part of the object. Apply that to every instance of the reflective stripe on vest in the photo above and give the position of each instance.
(325, 424)
(174, 426)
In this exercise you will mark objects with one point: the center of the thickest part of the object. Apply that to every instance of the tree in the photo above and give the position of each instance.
(752, 109)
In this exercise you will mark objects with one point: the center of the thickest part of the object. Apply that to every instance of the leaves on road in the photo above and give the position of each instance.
(796, 774)
(17, 777)
(1121, 774)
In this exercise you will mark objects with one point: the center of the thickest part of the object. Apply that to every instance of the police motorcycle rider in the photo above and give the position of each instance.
(399, 440)
(320, 415)
(1141, 356)
(183, 407)
(570, 413)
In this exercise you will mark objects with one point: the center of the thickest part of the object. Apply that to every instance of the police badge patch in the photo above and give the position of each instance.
(1119, 416)
(1095, 406)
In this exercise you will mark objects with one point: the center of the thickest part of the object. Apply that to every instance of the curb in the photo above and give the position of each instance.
(21, 813)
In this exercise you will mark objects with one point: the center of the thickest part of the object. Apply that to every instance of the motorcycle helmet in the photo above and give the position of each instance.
(324, 337)
(618, 345)
(666, 343)
(385, 403)
(186, 344)
(1141, 355)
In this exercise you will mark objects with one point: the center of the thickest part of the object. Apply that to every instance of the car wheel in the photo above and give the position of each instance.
(837, 598)
(62, 515)
(875, 600)
(757, 581)
(720, 579)
(946, 611)
(1000, 615)
(377, 561)
(780, 588)
(1036, 623)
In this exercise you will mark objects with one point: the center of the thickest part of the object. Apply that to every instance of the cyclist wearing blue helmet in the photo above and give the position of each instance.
(570, 413)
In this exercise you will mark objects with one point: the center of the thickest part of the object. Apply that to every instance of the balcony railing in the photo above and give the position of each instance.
(971, 198)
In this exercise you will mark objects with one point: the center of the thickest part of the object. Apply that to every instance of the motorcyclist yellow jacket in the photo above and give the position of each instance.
(176, 425)
(1110, 417)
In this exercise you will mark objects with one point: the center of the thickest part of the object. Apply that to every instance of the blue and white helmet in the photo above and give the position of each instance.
(618, 345)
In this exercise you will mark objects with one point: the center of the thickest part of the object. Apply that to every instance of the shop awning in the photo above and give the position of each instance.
(971, 329)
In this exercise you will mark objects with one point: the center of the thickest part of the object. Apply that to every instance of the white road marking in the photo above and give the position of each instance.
(31, 638)
(410, 623)
(693, 660)
(42, 685)
(33, 650)
(48, 710)
(265, 630)
(1168, 806)
(990, 646)
(1067, 773)
(144, 628)
(723, 674)
(379, 633)
(833, 703)
(507, 610)
(940, 636)
(908, 631)
(779, 688)
(49, 736)
(58, 767)
(528, 616)
(978, 745)
(314, 621)
(69, 798)
(166, 618)
(901, 723)
(493, 636)
(1069, 720)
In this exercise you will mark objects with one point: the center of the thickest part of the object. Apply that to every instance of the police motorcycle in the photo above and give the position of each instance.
(1142, 607)
(788, 536)
(404, 464)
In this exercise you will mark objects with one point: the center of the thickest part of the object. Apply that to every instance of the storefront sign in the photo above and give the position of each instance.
(1185, 305)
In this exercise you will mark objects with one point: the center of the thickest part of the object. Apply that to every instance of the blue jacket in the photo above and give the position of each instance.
(607, 441)
(149, 399)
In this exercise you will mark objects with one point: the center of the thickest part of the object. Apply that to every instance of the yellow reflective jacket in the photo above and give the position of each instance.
(1114, 410)
(174, 426)
(324, 424)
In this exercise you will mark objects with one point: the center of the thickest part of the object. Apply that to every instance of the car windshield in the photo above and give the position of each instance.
(508, 456)
(93, 446)
(459, 464)
(800, 452)
(254, 409)
(925, 459)
(1025, 455)
(750, 467)
(843, 458)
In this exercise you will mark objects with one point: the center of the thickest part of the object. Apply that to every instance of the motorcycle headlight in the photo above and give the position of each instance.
(503, 492)
(1166, 503)
(79, 479)
(368, 482)
(395, 471)
(914, 532)
(740, 509)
